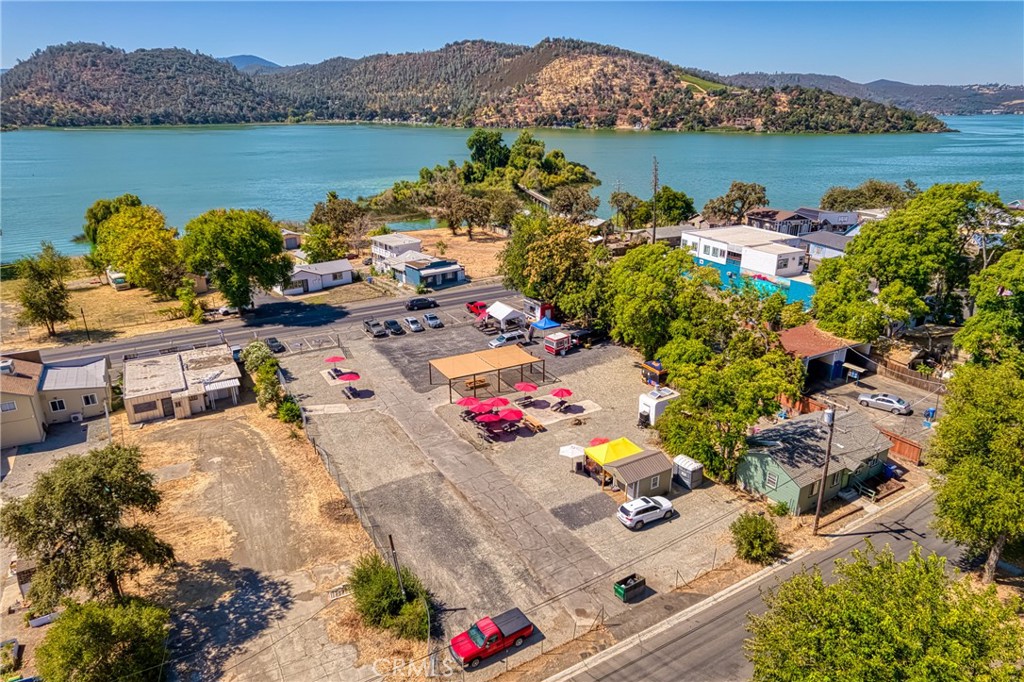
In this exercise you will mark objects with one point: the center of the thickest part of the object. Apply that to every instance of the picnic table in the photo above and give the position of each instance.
(533, 424)
(479, 382)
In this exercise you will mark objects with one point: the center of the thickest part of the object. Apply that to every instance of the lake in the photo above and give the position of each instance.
(49, 177)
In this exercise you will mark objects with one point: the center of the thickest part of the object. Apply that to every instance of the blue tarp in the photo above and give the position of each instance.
(544, 324)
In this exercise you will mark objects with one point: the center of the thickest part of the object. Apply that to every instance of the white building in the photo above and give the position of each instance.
(386, 246)
(748, 248)
(317, 276)
(181, 384)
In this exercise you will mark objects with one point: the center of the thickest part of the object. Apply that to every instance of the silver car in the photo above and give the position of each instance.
(413, 324)
(885, 401)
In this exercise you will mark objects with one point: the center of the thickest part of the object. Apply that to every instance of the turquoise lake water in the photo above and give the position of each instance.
(49, 177)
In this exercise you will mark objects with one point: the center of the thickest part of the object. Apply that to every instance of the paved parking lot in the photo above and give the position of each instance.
(489, 526)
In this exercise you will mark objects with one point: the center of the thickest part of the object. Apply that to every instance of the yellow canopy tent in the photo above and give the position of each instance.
(612, 450)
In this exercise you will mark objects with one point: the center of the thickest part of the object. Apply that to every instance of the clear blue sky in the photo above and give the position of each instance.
(915, 42)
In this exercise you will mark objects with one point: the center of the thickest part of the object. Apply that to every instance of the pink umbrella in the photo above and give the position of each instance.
(496, 402)
(511, 415)
(488, 418)
(561, 393)
(481, 408)
(349, 376)
(334, 359)
(468, 401)
(526, 386)
(598, 441)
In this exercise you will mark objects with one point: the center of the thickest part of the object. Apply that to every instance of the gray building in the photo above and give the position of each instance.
(181, 384)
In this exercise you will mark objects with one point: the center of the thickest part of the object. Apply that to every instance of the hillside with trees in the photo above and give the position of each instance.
(556, 83)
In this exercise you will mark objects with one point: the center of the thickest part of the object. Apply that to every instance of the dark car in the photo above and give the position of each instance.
(274, 345)
(374, 328)
(393, 327)
(420, 304)
(367, 261)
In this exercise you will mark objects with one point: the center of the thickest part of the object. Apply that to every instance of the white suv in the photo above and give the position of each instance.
(635, 513)
(507, 339)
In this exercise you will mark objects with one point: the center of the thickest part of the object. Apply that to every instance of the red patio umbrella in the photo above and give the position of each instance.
(481, 408)
(561, 393)
(526, 386)
(489, 417)
(334, 359)
(511, 415)
(349, 376)
(598, 441)
(468, 401)
(495, 402)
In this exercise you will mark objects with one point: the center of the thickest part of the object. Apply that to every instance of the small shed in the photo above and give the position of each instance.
(689, 471)
(646, 473)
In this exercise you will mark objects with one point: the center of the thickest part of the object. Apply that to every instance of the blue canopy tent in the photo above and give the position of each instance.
(545, 324)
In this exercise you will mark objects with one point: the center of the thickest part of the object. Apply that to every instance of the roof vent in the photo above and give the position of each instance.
(6, 366)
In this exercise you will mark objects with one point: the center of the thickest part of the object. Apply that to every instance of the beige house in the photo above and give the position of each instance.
(181, 384)
(34, 394)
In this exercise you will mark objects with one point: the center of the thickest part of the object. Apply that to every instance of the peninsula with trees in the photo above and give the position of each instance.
(556, 83)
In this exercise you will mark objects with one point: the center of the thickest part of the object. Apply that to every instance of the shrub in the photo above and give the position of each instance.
(778, 508)
(756, 538)
(289, 411)
(421, 288)
(8, 658)
(267, 386)
(255, 355)
(380, 602)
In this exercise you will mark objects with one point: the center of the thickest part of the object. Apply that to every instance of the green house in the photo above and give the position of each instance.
(784, 462)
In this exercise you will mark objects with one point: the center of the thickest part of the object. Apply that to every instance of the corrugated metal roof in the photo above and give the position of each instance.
(90, 373)
(640, 466)
(217, 385)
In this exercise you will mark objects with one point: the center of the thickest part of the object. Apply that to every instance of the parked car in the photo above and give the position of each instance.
(420, 303)
(394, 328)
(476, 308)
(489, 636)
(413, 324)
(635, 513)
(507, 339)
(433, 321)
(885, 401)
(227, 310)
(273, 344)
(367, 261)
(374, 328)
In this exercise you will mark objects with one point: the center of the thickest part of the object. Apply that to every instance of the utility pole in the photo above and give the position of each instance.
(830, 421)
(654, 202)
(394, 560)
(88, 337)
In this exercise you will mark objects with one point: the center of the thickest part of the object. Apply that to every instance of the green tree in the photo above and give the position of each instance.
(336, 213)
(380, 601)
(871, 193)
(556, 263)
(99, 212)
(97, 642)
(627, 208)
(882, 619)
(77, 524)
(756, 538)
(672, 207)
(794, 315)
(996, 330)
(137, 242)
(322, 244)
(255, 355)
(734, 204)
(242, 250)
(527, 230)
(380, 231)
(44, 295)
(977, 448)
(453, 205)
(505, 206)
(574, 202)
(190, 306)
(487, 148)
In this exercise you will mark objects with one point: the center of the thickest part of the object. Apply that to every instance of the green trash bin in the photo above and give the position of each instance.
(630, 587)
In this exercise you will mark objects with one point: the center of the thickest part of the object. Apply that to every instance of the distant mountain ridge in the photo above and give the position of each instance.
(557, 83)
(961, 100)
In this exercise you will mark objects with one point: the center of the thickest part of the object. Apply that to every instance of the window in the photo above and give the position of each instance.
(836, 478)
(655, 480)
(8, 407)
(57, 405)
(295, 284)
(707, 250)
(783, 263)
(337, 275)
(89, 399)
(814, 489)
(772, 481)
(139, 408)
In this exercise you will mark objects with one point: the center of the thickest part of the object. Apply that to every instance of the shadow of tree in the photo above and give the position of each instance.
(218, 607)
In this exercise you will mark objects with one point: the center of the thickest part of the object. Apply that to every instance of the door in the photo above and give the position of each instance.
(305, 286)
(168, 407)
(632, 491)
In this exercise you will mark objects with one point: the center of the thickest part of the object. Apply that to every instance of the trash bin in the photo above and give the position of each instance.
(630, 587)
(929, 414)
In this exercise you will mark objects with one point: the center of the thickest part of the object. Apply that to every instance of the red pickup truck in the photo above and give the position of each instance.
(489, 636)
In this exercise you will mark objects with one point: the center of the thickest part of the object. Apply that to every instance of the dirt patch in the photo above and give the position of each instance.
(479, 256)
(373, 646)
(357, 291)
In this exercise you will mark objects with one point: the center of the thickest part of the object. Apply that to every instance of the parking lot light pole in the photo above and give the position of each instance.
(830, 421)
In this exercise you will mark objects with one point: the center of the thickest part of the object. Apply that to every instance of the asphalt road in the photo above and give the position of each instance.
(279, 318)
(708, 647)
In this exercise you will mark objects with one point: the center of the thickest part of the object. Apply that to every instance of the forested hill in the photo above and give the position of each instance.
(558, 82)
